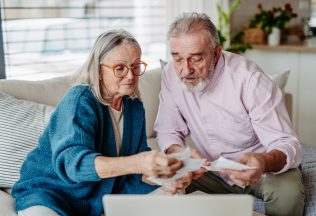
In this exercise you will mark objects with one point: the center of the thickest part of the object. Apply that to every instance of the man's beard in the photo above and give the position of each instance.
(201, 84)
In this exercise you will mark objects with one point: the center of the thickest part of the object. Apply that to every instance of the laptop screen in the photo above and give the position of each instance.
(181, 205)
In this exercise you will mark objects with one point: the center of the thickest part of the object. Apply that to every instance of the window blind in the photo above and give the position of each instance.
(49, 38)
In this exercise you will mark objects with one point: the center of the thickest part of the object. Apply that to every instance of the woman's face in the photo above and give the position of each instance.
(113, 86)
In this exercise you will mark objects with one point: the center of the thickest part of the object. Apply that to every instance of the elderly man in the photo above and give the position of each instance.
(232, 109)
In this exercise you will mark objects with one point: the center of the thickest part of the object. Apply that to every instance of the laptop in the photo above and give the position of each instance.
(179, 205)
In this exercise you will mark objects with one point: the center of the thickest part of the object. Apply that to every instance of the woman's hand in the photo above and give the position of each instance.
(156, 164)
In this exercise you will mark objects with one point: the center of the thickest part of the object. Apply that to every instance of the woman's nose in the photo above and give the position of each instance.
(129, 74)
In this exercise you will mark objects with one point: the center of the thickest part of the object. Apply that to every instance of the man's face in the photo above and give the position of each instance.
(193, 59)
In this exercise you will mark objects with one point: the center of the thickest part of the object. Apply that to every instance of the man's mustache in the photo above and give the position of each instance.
(190, 76)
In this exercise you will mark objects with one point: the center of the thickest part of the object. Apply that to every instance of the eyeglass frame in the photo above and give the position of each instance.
(129, 68)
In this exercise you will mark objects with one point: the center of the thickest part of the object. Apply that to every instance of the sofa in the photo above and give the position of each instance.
(25, 107)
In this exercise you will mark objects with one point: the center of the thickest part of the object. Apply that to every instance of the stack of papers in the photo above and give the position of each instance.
(190, 165)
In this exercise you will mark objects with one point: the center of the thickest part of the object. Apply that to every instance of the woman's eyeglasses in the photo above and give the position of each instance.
(121, 70)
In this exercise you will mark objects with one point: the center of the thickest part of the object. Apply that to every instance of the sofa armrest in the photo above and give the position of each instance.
(288, 98)
(7, 204)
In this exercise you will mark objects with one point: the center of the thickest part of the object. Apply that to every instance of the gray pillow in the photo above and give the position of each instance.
(21, 124)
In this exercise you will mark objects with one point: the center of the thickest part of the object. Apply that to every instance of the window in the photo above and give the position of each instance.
(49, 38)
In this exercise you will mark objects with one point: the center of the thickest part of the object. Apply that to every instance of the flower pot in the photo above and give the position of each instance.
(254, 36)
(274, 37)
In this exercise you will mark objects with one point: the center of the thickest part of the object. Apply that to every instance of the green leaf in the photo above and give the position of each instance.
(233, 6)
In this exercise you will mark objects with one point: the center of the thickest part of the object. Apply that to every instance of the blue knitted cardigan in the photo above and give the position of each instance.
(60, 174)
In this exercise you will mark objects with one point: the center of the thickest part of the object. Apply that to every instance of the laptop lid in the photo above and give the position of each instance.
(182, 205)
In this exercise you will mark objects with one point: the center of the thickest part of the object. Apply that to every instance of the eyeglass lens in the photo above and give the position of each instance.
(137, 69)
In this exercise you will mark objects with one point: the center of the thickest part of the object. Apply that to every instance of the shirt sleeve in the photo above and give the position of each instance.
(270, 119)
(72, 135)
(169, 125)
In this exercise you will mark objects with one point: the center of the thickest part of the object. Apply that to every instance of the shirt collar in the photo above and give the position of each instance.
(219, 67)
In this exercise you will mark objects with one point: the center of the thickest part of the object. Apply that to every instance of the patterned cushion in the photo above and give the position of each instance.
(21, 123)
(309, 178)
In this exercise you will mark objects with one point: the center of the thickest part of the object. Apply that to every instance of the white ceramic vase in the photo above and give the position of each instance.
(274, 37)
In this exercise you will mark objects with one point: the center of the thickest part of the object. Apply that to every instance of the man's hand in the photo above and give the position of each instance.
(194, 154)
(156, 164)
(178, 186)
(200, 172)
(272, 161)
(174, 148)
(248, 177)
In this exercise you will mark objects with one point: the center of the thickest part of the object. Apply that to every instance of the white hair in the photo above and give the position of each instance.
(90, 71)
(192, 22)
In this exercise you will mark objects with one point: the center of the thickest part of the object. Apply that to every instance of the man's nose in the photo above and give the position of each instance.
(187, 68)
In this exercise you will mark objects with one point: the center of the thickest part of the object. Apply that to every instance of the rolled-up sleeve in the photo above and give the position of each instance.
(270, 119)
(169, 125)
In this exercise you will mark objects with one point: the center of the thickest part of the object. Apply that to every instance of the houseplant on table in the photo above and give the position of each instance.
(273, 21)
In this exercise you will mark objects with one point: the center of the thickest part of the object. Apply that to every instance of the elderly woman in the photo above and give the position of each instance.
(95, 142)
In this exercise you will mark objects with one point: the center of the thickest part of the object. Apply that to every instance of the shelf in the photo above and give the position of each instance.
(286, 48)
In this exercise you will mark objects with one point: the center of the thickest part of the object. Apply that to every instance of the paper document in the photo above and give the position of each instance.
(224, 163)
(189, 165)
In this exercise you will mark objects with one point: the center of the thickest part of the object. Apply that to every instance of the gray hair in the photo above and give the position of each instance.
(192, 22)
(90, 71)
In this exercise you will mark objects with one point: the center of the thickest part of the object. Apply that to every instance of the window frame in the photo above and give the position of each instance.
(2, 61)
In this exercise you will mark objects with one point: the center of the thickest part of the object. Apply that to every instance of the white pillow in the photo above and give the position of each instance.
(149, 87)
(280, 78)
(21, 124)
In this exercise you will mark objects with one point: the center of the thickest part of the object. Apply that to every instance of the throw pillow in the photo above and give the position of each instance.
(280, 78)
(21, 124)
(162, 63)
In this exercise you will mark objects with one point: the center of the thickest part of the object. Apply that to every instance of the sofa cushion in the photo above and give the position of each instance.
(149, 87)
(21, 124)
(48, 91)
(309, 176)
(7, 206)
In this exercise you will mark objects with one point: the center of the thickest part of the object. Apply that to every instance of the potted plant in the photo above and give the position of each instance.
(273, 21)
(235, 43)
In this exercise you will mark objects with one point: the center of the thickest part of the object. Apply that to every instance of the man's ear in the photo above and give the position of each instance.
(217, 53)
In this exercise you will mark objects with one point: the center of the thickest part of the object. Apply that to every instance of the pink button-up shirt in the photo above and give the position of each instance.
(240, 110)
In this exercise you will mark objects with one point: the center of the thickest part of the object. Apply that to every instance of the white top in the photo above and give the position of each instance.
(117, 121)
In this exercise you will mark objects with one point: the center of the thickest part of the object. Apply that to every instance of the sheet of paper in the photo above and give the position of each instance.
(189, 165)
(224, 163)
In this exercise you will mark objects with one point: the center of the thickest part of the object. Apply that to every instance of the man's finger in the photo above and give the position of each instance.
(162, 160)
(176, 165)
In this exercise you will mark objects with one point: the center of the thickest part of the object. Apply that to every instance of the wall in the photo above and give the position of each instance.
(248, 8)
(301, 85)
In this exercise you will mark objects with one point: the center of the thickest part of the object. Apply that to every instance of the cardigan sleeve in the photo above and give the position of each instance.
(73, 129)
(135, 181)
